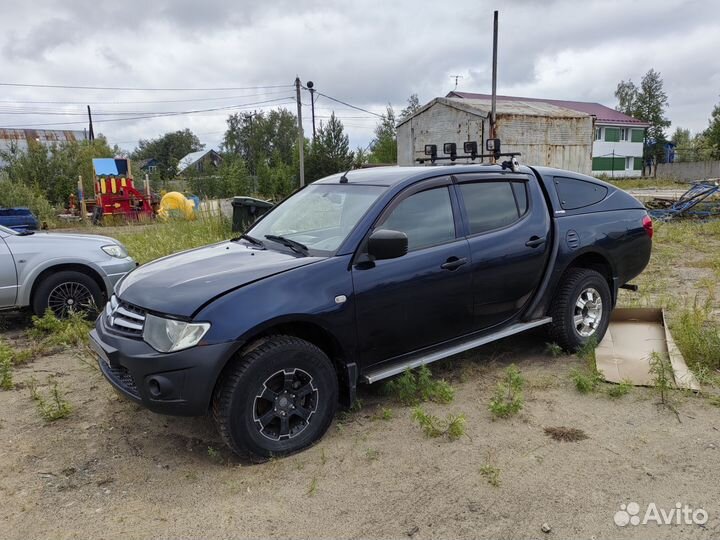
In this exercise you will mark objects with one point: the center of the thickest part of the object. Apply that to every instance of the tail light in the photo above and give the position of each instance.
(648, 225)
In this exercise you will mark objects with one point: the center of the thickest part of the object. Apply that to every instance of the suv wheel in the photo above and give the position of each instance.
(581, 309)
(67, 291)
(279, 398)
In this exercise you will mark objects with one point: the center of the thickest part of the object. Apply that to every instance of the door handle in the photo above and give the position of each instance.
(453, 263)
(535, 241)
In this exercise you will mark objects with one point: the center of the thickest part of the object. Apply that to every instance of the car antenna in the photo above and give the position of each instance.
(344, 178)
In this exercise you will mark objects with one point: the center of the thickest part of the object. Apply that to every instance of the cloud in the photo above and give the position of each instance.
(369, 54)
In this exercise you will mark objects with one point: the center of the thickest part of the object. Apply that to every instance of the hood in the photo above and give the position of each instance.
(44, 236)
(180, 284)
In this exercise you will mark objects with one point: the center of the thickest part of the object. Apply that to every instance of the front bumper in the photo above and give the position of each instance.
(179, 383)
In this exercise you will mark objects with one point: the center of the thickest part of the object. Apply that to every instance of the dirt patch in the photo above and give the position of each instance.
(113, 469)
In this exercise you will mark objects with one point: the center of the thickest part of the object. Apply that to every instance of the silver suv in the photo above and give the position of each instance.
(63, 272)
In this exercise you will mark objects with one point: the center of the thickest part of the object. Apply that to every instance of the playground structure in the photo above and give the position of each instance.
(175, 205)
(115, 192)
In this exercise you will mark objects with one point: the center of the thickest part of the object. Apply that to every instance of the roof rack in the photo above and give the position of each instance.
(471, 150)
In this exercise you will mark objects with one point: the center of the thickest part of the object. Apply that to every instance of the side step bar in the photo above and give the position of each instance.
(417, 361)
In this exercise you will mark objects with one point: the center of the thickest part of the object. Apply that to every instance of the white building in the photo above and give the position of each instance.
(618, 139)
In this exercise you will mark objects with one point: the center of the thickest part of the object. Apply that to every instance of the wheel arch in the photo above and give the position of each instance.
(594, 260)
(62, 267)
(312, 332)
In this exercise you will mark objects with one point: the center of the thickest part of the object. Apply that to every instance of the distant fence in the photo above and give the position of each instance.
(690, 170)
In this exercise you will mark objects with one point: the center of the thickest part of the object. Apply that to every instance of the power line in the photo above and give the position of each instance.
(114, 102)
(162, 115)
(348, 105)
(133, 89)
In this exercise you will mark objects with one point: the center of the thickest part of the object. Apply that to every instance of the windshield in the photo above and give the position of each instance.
(320, 216)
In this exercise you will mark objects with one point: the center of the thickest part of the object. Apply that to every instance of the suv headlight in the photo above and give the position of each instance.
(168, 335)
(115, 250)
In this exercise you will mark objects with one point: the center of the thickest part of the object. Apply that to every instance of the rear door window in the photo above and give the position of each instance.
(493, 205)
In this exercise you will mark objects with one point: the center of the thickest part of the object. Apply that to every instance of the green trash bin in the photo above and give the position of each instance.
(246, 210)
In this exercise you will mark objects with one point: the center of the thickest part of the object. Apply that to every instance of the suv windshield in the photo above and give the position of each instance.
(319, 217)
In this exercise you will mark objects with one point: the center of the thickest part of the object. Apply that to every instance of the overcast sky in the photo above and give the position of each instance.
(366, 53)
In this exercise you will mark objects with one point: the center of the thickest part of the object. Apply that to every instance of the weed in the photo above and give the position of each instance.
(566, 434)
(453, 426)
(620, 390)
(383, 414)
(663, 378)
(714, 400)
(371, 454)
(53, 407)
(356, 406)
(6, 377)
(508, 398)
(323, 457)
(491, 474)
(414, 387)
(213, 453)
(73, 330)
(587, 351)
(698, 337)
(554, 350)
(312, 489)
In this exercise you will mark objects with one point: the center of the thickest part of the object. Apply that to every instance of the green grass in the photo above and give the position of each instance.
(640, 183)
(508, 398)
(698, 337)
(149, 242)
(619, 390)
(6, 362)
(417, 386)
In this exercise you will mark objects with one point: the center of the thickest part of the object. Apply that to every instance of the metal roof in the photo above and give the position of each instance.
(19, 139)
(192, 158)
(601, 113)
(481, 107)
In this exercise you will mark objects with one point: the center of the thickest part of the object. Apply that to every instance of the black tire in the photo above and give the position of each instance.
(258, 408)
(80, 291)
(564, 330)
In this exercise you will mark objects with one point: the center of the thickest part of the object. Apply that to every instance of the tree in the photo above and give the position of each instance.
(413, 106)
(168, 149)
(330, 152)
(712, 134)
(261, 138)
(383, 148)
(626, 93)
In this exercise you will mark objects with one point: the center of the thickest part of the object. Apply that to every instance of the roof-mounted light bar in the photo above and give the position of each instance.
(493, 146)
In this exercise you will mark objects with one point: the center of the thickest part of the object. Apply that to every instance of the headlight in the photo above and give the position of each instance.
(116, 250)
(168, 335)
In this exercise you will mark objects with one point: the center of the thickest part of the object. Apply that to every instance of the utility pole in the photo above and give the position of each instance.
(301, 137)
(311, 88)
(91, 132)
(456, 77)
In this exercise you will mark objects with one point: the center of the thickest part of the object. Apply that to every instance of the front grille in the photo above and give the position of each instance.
(124, 317)
(122, 378)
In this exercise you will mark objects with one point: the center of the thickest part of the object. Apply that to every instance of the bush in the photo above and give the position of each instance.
(15, 193)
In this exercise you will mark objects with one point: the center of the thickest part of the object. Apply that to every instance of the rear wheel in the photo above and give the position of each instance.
(67, 291)
(277, 399)
(581, 309)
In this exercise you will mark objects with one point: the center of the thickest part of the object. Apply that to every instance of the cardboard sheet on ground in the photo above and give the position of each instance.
(626, 350)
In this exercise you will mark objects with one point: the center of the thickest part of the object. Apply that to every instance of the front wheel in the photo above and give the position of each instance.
(279, 398)
(67, 291)
(581, 309)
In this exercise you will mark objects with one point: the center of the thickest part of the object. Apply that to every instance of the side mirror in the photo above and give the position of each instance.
(387, 244)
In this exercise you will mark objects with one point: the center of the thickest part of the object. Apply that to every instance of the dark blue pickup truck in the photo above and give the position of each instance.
(360, 276)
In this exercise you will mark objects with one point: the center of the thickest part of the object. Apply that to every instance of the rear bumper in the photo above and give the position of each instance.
(179, 383)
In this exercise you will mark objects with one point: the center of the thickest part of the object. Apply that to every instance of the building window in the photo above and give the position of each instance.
(623, 134)
(628, 164)
(598, 133)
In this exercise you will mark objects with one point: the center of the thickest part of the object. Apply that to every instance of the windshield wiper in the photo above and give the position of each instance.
(292, 244)
(251, 239)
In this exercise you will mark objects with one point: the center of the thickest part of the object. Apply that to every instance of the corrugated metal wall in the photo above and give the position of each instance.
(560, 142)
